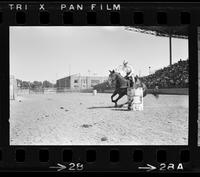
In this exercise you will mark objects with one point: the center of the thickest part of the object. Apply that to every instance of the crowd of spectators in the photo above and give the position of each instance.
(173, 76)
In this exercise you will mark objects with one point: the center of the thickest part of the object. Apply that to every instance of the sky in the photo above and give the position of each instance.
(51, 53)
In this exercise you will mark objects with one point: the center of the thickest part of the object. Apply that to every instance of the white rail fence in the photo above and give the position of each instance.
(16, 91)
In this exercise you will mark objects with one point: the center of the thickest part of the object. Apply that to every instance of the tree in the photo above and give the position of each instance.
(25, 84)
(47, 84)
(19, 83)
(36, 84)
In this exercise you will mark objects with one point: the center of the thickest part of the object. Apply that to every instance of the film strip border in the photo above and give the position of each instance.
(95, 14)
(164, 158)
(96, 159)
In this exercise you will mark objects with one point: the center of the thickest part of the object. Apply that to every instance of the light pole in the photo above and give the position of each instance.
(149, 70)
(170, 49)
(88, 79)
(69, 69)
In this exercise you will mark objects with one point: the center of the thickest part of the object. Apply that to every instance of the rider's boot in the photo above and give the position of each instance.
(130, 105)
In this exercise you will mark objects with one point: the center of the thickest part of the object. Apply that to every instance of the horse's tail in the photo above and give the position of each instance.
(144, 89)
(154, 92)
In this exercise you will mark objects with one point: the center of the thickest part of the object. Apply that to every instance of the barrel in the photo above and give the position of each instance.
(138, 100)
(94, 92)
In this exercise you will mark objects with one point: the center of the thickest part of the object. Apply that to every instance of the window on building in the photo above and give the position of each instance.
(76, 81)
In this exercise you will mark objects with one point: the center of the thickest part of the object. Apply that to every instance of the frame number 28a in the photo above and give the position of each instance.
(170, 167)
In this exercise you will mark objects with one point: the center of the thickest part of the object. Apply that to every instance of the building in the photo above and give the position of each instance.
(77, 81)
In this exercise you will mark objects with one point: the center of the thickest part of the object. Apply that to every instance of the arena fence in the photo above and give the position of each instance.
(51, 90)
(61, 90)
(36, 91)
(20, 92)
(170, 91)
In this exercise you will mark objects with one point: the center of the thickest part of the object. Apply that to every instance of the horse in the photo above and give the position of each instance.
(121, 85)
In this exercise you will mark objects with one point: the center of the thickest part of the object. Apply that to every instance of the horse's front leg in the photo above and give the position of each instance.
(119, 97)
(115, 93)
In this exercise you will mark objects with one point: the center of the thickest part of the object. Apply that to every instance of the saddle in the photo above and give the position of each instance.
(130, 81)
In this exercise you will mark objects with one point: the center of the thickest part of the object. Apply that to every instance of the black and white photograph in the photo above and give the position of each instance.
(99, 85)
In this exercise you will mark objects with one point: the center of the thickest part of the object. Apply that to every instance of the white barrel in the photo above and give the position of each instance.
(138, 99)
(94, 92)
(130, 92)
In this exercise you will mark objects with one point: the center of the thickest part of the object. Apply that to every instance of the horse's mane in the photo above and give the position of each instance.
(121, 81)
(120, 75)
(138, 82)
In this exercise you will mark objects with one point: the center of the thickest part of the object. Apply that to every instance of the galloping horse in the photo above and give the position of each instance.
(121, 85)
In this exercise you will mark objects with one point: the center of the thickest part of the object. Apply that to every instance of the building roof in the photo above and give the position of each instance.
(78, 75)
(163, 31)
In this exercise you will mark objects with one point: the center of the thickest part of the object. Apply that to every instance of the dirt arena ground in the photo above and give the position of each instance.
(85, 119)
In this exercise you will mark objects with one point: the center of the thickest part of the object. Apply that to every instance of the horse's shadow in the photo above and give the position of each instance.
(102, 107)
(120, 110)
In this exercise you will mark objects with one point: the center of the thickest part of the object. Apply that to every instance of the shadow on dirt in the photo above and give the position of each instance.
(99, 107)
(120, 110)
(86, 125)
(104, 138)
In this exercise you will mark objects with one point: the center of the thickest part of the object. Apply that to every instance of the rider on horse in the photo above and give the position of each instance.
(126, 71)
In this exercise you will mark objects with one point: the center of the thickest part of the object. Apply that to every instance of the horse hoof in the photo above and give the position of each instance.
(130, 108)
(120, 106)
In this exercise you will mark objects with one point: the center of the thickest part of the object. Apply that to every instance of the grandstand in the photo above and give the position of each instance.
(172, 76)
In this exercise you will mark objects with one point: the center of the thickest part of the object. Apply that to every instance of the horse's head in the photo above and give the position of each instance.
(112, 77)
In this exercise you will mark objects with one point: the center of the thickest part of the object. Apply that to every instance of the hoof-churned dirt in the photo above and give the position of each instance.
(85, 119)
